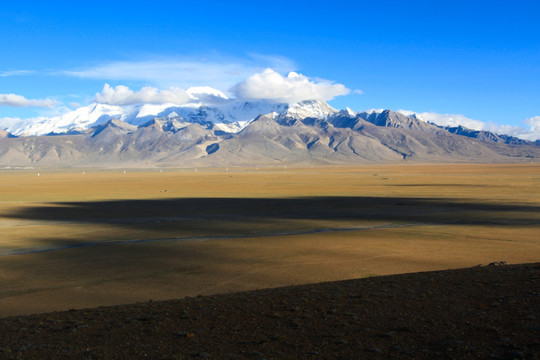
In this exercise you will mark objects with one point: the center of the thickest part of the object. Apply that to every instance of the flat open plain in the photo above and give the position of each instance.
(73, 240)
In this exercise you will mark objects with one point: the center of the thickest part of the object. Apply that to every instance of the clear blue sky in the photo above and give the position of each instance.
(480, 59)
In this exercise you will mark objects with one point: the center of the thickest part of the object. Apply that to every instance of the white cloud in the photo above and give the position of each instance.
(269, 85)
(532, 133)
(448, 119)
(534, 123)
(21, 101)
(7, 123)
(122, 95)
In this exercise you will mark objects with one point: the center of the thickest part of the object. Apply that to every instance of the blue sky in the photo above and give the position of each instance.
(476, 59)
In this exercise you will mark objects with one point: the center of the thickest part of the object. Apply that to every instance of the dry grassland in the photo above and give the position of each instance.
(74, 240)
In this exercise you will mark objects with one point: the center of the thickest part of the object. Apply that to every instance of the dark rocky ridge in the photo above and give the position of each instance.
(486, 312)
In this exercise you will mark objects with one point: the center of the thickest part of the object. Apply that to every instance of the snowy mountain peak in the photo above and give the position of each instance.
(172, 115)
(311, 108)
(350, 111)
(347, 112)
(416, 116)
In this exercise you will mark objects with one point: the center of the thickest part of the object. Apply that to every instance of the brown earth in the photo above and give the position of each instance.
(489, 312)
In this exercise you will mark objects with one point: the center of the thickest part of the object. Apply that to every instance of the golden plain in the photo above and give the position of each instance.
(84, 238)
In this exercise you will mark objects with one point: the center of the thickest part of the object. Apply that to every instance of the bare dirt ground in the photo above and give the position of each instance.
(70, 240)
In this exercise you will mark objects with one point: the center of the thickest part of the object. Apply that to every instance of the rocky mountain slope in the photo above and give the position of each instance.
(305, 133)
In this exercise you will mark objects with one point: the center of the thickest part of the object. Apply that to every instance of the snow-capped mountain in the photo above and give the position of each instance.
(305, 133)
(207, 106)
(73, 121)
(214, 130)
(310, 109)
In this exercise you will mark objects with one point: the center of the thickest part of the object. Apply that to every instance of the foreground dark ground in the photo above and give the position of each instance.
(489, 312)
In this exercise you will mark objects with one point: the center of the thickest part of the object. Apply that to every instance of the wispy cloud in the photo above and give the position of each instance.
(21, 101)
(16, 73)
(122, 95)
(272, 86)
(278, 63)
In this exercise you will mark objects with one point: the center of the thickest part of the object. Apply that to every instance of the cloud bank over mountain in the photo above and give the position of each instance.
(267, 85)
(270, 85)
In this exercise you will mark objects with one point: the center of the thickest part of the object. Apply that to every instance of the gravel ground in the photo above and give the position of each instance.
(484, 312)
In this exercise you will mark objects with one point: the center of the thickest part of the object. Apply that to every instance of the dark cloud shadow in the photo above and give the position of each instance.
(218, 214)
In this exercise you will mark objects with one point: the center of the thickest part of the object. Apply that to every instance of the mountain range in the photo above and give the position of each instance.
(234, 133)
